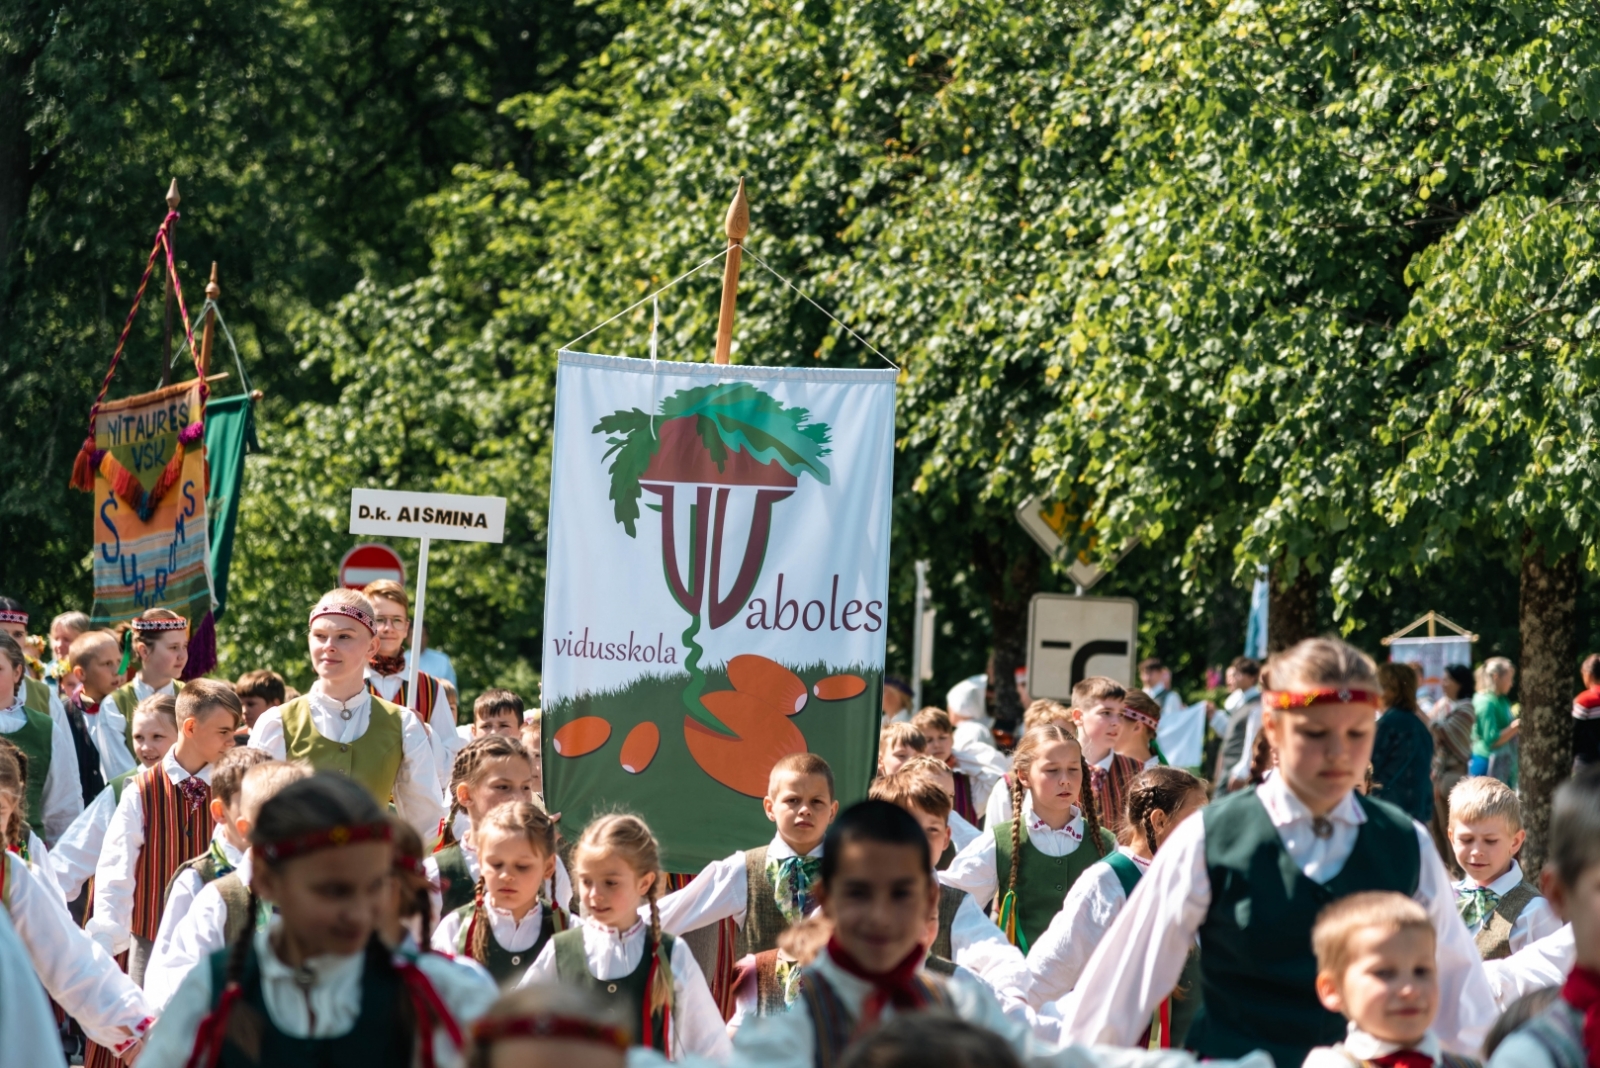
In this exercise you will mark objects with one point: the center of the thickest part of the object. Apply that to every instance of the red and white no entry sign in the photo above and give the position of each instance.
(369, 563)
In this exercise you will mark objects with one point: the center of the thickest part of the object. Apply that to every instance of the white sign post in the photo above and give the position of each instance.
(1071, 638)
(450, 516)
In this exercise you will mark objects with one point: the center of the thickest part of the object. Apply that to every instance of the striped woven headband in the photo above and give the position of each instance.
(154, 625)
(349, 611)
(342, 835)
(8, 616)
(488, 1030)
(1141, 717)
(1341, 695)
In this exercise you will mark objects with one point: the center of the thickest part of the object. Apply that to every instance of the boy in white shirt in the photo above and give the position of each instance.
(1504, 912)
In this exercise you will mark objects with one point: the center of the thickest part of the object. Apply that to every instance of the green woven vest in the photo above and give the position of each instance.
(1258, 976)
(34, 739)
(456, 885)
(507, 966)
(763, 923)
(1042, 880)
(949, 904)
(373, 760)
(631, 990)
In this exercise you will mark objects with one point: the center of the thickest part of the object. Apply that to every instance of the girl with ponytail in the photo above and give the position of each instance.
(318, 984)
(1032, 872)
(509, 919)
(1159, 799)
(626, 960)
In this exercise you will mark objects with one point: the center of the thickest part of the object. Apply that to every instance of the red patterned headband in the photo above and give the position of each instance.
(349, 611)
(154, 625)
(1284, 700)
(1140, 717)
(488, 1030)
(8, 616)
(342, 835)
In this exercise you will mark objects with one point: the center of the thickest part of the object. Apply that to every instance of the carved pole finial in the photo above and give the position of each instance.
(737, 225)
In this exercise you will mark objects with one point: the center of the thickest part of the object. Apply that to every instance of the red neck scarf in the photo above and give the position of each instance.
(388, 665)
(1582, 992)
(893, 987)
(1404, 1058)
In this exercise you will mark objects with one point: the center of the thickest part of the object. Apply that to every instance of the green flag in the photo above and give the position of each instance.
(230, 433)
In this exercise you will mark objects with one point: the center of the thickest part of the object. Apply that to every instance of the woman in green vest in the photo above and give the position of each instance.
(1250, 876)
(1031, 872)
(340, 726)
(53, 794)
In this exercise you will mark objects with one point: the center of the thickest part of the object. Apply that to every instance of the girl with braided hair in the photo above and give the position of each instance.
(1159, 799)
(509, 920)
(628, 960)
(489, 771)
(1032, 873)
(318, 984)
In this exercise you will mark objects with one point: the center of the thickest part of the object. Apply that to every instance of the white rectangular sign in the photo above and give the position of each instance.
(1071, 638)
(447, 516)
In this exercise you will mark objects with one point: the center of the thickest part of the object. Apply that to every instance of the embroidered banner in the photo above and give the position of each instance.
(716, 590)
(150, 536)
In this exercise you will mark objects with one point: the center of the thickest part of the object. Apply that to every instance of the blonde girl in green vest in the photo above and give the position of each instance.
(1031, 873)
(340, 726)
(509, 919)
(1251, 874)
(54, 795)
(619, 951)
(159, 638)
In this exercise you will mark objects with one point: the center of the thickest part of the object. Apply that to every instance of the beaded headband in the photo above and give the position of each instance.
(8, 616)
(349, 611)
(1141, 717)
(153, 625)
(1284, 700)
(342, 835)
(488, 1030)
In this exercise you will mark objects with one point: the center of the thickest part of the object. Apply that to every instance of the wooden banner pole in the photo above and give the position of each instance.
(737, 225)
(213, 291)
(172, 243)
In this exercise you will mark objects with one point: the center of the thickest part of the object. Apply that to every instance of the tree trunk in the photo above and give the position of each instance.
(1010, 570)
(1292, 609)
(1546, 684)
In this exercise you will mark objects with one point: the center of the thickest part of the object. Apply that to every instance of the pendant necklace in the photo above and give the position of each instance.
(1322, 827)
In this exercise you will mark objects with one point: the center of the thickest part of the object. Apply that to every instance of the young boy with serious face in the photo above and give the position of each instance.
(977, 768)
(1099, 708)
(93, 657)
(939, 773)
(497, 712)
(1375, 968)
(258, 691)
(1504, 912)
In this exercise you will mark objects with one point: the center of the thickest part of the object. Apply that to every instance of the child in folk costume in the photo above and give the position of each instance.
(549, 1026)
(155, 730)
(1098, 708)
(767, 983)
(498, 712)
(160, 639)
(1032, 873)
(1251, 875)
(1500, 907)
(258, 691)
(897, 743)
(1375, 967)
(387, 676)
(162, 820)
(1567, 1034)
(961, 832)
(509, 921)
(91, 670)
(16, 835)
(976, 768)
(766, 889)
(1141, 716)
(64, 630)
(220, 909)
(317, 985)
(628, 960)
(227, 848)
(54, 797)
(341, 726)
(1159, 800)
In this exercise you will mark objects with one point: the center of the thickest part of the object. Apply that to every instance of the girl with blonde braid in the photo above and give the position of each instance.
(1048, 776)
(628, 960)
(509, 920)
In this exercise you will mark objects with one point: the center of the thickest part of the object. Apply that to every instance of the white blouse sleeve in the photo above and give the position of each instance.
(25, 1018)
(973, 870)
(76, 853)
(63, 789)
(172, 1039)
(1466, 1001)
(446, 934)
(199, 934)
(719, 892)
(697, 1024)
(267, 734)
(418, 797)
(1545, 963)
(979, 946)
(1537, 921)
(110, 736)
(114, 875)
(1059, 956)
(998, 808)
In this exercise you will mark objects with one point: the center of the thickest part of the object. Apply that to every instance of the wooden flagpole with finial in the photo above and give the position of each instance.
(172, 243)
(213, 291)
(737, 225)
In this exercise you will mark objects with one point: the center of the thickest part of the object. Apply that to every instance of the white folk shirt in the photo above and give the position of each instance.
(418, 797)
(512, 934)
(25, 1016)
(980, 947)
(192, 940)
(441, 721)
(1534, 922)
(76, 972)
(697, 1026)
(974, 869)
(327, 1009)
(114, 875)
(961, 832)
(39, 864)
(560, 886)
(63, 791)
(983, 766)
(1057, 958)
(186, 886)
(108, 729)
(1359, 1048)
(720, 892)
(1143, 953)
(1546, 962)
(77, 852)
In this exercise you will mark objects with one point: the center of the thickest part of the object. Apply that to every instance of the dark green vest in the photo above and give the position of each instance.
(507, 966)
(117, 783)
(1042, 880)
(1258, 975)
(631, 990)
(456, 886)
(950, 900)
(378, 1037)
(373, 760)
(34, 739)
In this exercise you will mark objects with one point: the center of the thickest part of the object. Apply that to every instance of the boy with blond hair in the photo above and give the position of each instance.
(898, 743)
(938, 772)
(1375, 967)
(1503, 910)
(976, 768)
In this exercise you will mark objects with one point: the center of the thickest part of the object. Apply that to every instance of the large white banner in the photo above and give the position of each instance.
(717, 589)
